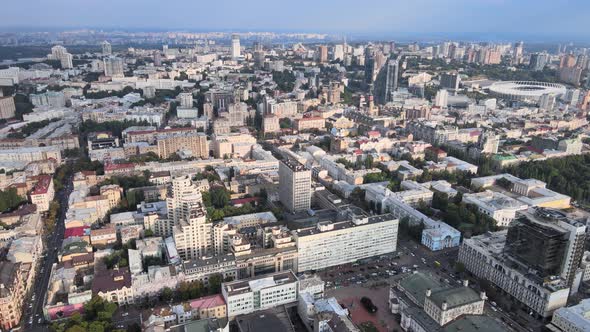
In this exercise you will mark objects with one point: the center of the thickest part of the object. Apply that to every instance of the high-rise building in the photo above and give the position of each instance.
(7, 107)
(235, 46)
(548, 242)
(60, 53)
(66, 61)
(538, 61)
(323, 53)
(485, 257)
(193, 234)
(186, 99)
(450, 81)
(106, 48)
(113, 67)
(572, 96)
(259, 55)
(518, 51)
(391, 79)
(547, 101)
(157, 58)
(442, 98)
(333, 243)
(489, 142)
(294, 185)
(338, 53)
(571, 75)
(369, 64)
(568, 61)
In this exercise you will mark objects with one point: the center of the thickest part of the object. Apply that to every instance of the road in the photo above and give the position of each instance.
(33, 317)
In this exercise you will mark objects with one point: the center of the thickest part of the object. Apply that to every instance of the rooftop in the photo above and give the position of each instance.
(258, 283)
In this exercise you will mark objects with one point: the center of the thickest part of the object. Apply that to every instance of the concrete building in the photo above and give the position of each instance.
(528, 191)
(571, 319)
(194, 144)
(450, 81)
(265, 292)
(113, 67)
(427, 304)
(270, 124)
(114, 286)
(7, 107)
(193, 234)
(436, 235)
(391, 79)
(106, 48)
(13, 286)
(310, 123)
(334, 243)
(294, 185)
(549, 243)
(236, 51)
(213, 306)
(484, 256)
(498, 206)
(43, 193)
(205, 267)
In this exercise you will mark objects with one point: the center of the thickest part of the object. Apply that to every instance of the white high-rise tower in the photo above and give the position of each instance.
(235, 46)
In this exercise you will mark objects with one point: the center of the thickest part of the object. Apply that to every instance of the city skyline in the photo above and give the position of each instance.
(484, 19)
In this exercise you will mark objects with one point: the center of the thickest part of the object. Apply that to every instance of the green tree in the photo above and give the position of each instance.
(219, 197)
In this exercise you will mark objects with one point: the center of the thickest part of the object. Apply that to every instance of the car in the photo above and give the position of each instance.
(125, 314)
(493, 303)
(368, 304)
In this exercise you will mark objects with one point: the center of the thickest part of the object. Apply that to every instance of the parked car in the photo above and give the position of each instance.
(368, 304)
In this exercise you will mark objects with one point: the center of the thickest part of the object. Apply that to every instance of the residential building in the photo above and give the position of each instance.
(270, 124)
(43, 193)
(192, 144)
(310, 123)
(13, 286)
(213, 306)
(7, 107)
(113, 67)
(193, 233)
(235, 46)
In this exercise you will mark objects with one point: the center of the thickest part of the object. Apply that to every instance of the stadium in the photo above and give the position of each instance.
(525, 91)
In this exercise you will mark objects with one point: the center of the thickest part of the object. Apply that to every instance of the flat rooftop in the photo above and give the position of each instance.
(259, 283)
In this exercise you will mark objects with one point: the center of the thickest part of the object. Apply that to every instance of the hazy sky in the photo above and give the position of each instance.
(556, 18)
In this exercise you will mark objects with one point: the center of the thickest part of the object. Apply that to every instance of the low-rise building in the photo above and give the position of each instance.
(114, 286)
(571, 319)
(13, 286)
(213, 306)
(259, 293)
(498, 206)
(43, 193)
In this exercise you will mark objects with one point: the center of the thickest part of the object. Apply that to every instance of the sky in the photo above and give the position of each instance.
(508, 18)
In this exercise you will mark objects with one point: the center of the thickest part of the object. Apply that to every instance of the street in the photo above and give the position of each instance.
(33, 318)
